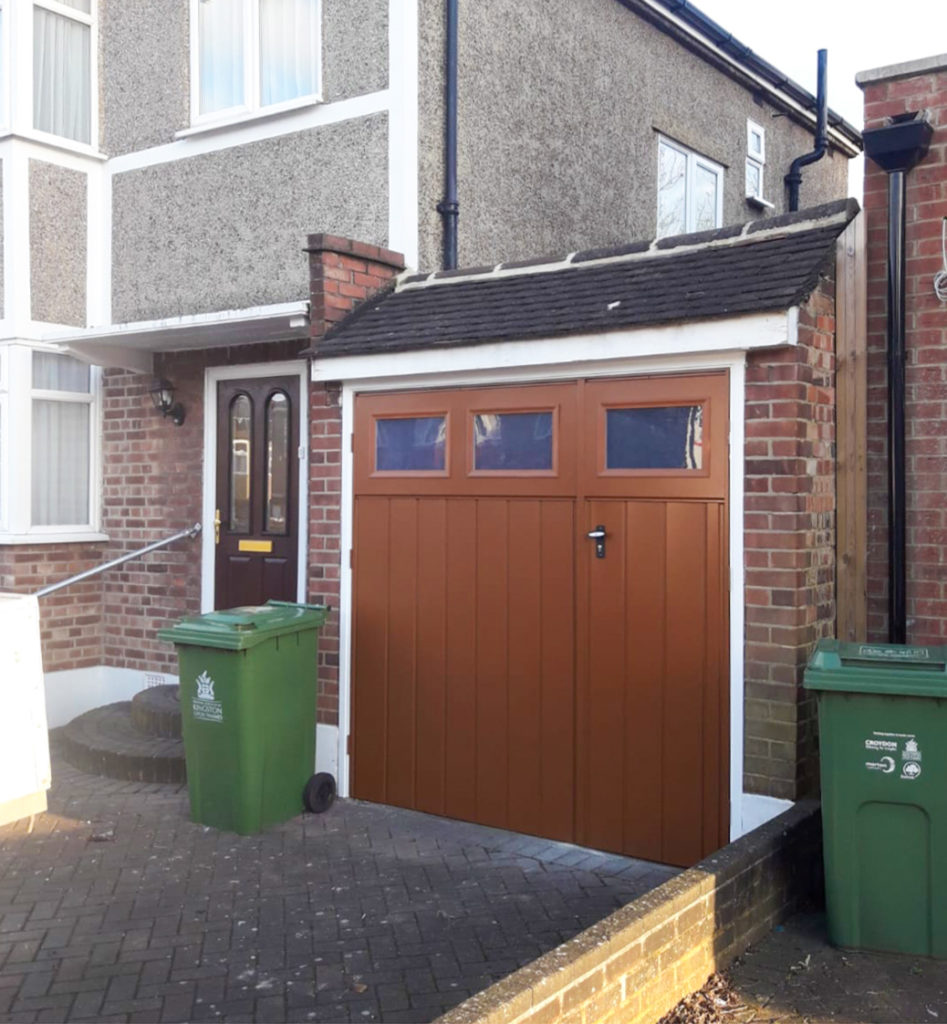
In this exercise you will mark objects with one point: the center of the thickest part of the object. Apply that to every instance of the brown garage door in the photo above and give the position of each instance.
(511, 670)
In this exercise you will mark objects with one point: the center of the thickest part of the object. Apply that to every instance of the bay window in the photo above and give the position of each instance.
(61, 441)
(249, 55)
(49, 405)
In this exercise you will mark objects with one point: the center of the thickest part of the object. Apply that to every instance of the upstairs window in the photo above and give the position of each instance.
(690, 190)
(62, 68)
(755, 163)
(254, 54)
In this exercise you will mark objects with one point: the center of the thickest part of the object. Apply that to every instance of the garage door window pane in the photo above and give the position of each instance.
(659, 437)
(513, 441)
(410, 444)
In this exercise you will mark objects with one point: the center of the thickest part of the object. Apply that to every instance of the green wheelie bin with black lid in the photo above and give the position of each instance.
(248, 713)
(883, 743)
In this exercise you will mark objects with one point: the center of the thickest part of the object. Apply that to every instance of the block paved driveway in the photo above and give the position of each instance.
(118, 907)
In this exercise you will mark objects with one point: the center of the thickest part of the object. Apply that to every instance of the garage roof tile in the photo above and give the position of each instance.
(758, 267)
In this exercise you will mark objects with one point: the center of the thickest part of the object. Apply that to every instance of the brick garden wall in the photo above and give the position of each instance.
(926, 369)
(790, 546)
(636, 964)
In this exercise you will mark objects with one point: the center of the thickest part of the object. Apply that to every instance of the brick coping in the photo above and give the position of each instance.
(641, 960)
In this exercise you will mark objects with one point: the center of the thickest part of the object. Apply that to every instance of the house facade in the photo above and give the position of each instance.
(156, 199)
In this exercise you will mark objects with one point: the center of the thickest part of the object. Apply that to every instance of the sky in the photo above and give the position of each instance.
(859, 36)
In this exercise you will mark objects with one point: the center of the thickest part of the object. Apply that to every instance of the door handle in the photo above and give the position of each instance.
(217, 526)
(598, 535)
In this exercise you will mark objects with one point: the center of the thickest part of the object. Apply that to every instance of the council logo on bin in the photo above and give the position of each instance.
(205, 686)
(205, 708)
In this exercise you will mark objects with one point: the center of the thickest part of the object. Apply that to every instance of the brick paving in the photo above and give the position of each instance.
(118, 908)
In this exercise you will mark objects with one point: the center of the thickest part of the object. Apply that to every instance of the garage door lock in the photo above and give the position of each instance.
(598, 535)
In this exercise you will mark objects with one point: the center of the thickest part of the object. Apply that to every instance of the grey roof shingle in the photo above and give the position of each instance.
(714, 274)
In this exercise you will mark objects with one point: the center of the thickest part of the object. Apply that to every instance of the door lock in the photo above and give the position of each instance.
(598, 535)
(217, 526)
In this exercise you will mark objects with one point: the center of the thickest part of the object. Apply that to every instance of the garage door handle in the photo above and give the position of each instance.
(598, 535)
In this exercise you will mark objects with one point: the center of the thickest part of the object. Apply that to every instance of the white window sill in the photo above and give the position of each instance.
(55, 142)
(66, 537)
(760, 203)
(248, 117)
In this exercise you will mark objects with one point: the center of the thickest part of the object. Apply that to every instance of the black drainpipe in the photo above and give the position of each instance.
(896, 148)
(794, 178)
(449, 207)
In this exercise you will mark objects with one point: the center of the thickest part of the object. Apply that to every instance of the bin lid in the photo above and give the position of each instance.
(878, 668)
(236, 629)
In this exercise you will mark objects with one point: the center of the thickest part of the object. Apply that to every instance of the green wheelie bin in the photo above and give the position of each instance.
(883, 744)
(248, 714)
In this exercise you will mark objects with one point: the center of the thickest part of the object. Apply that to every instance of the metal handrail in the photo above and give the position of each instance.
(191, 531)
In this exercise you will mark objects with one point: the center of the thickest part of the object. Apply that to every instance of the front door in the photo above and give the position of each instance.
(256, 517)
(540, 610)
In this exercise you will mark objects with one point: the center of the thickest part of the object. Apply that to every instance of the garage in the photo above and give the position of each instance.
(540, 612)
(586, 519)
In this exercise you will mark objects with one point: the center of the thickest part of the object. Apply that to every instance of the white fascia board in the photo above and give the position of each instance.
(758, 330)
(278, 322)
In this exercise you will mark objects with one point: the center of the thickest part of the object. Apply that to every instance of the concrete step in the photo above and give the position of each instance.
(104, 741)
(157, 711)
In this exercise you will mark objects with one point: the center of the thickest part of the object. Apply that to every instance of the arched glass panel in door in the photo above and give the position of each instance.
(276, 513)
(240, 464)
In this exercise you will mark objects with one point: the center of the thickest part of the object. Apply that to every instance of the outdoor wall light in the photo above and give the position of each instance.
(162, 394)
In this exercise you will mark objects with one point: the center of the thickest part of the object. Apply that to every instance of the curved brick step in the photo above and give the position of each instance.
(104, 741)
(157, 711)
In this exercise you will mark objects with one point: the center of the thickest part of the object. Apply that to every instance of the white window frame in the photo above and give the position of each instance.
(756, 160)
(23, 71)
(251, 107)
(693, 160)
(16, 453)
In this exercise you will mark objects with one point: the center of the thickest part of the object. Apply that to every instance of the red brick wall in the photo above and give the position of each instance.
(790, 546)
(152, 487)
(342, 273)
(926, 369)
(325, 516)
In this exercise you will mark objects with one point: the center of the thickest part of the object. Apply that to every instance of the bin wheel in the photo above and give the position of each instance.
(319, 794)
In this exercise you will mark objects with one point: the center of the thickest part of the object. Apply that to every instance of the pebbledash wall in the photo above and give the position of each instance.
(908, 88)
